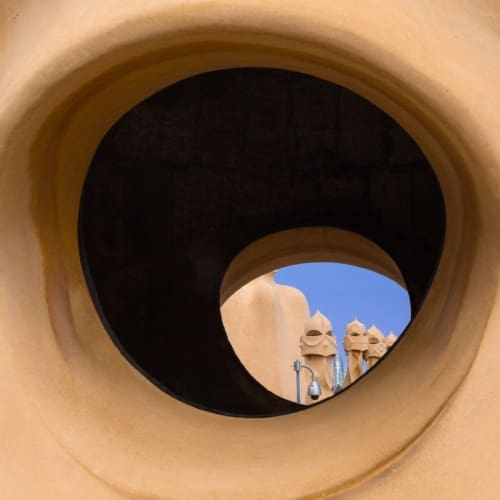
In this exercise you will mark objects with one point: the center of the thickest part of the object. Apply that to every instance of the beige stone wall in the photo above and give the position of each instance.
(264, 322)
(78, 421)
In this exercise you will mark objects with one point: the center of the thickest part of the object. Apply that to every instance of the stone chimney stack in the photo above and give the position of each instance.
(355, 345)
(377, 347)
(319, 347)
(390, 340)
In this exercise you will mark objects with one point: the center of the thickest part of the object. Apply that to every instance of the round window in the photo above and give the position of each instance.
(193, 175)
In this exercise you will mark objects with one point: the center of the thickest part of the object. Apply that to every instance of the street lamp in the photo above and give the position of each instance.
(314, 389)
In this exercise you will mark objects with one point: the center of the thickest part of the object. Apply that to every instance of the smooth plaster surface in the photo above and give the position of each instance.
(69, 430)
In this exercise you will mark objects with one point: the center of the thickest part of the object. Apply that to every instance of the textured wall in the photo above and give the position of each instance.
(78, 421)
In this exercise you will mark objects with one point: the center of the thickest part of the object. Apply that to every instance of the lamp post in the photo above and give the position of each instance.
(314, 389)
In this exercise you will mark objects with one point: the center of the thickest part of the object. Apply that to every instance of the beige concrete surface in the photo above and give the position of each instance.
(264, 322)
(78, 421)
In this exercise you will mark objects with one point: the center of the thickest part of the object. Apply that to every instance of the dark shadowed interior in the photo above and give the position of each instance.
(192, 175)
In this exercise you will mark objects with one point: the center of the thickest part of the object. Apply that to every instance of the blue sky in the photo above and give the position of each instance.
(341, 292)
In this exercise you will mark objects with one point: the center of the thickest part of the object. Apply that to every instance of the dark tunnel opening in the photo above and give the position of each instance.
(192, 175)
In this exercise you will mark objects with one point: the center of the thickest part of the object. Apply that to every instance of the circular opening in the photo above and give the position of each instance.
(191, 176)
(314, 313)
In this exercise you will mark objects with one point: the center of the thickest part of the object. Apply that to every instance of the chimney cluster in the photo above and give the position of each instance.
(319, 350)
